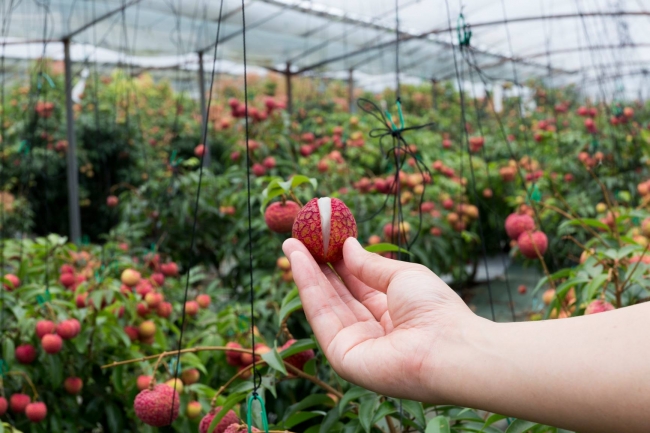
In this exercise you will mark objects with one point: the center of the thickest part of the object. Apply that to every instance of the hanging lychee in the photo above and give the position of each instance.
(531, 243)
(157, 407)
(36, 412)
(323, 225)
(516, 224)
(280, 216)
(598, 306)
(229, 418)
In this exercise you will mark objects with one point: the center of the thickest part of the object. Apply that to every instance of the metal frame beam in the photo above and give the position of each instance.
(72, 169)
(99, 19)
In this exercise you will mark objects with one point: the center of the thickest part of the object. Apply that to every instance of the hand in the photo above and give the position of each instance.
(383, 324)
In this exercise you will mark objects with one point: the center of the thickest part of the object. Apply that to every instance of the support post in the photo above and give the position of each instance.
(351, 90)
(72, 169)
(434, 93)
(287, 76)
(204, 112)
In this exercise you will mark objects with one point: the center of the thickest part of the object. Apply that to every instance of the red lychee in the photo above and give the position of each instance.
(517, 224)
(190, 376)
(323, 225)
(44, 327)
(191, 308)
(132, 332)
(158, 407)
(299, 359)
(532, 242)
(199, 151)
(269, 162)
(203, 300)
(193, 409)
(598, 306)
(522, 289)
(232, 357)
(13, 282)
(143, 382)
(52, 343)
(229, 418)
(258, 169)
(164, 310)
(147, 329)
(25, 354)
(158, 278)
(67, 329)
(73, 385)
(169, 269)
(112, 201)
(18, 402)
(279, 217)
(4, 404)
(130, 277)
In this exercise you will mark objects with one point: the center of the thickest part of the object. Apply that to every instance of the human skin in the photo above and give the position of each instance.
(399, 330)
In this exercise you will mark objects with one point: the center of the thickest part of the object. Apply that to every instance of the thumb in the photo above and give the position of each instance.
(372, 269)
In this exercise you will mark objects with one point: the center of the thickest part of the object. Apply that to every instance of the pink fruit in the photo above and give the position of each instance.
(158, 407)
(323, 225)
(66, 269)
(13, 282)
(269, 162)
(67, 329)
(532, 242)
(169, 269)
(164, 310)
(132, 332)
(18, 402)
(258, 169)
(143, 382)
(147, 329)
(73, 385)
(4, 405)
(36, 412)
(52, 343)
(158, 278)
(232, 357)
(130, 277)
(112, 201)
(191, 308)
(193, 409)
(142, 309)
(153, 299)
(25, 354)
(517, 224)
(299, 359)
(203, 300)
(229, 418)
(44, 327)
(199, 151)
(190, 376)
(598, 306)
(279, 217)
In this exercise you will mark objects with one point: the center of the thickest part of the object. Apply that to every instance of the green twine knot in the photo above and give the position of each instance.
(594, 143)
(42, 299)
(4, 369)
(175, 368)
(401, 118)
(85, 240)
(49, 80)
(24, 147)
(249, 412)
(243, 322)
(464, 32)
(534, 194)
(174, 161)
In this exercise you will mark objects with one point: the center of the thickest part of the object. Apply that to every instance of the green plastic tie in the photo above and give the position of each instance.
(24, 147)
(85, 240)
(465, 36)
(594, 143)
(174, 161)
(42, 300)
(4, 369)
(249, 413)
(401, 117)
(178, 367)
(39, 82)
(534, 194)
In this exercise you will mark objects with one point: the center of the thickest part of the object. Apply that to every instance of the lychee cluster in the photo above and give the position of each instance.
(521, 227)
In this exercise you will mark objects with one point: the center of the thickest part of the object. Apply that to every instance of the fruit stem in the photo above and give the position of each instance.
(175, 352)
(296, 199)
(152, 382)
(222, 388)
(609, 206)
(28, 380)
(541, 259)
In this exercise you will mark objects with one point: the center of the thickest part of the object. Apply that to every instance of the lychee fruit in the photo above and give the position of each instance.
(199, 151)
(283, 263)
(258, 169)
(143, 382)
(147, 329)
(522, 289)
(52, 343)
(158, 278)
(190, 376)
(530, 243)
(130, 277)
(229, 418)
(66, 269)
(517, 224)
(18, 402)
(164, 310)
(36, 412)
(374, 240)
(203, 300)
(598, 306)
(233, 357)
(153, 299)
(112, 201)
(13, 282)
(169, 269)
(142, 309)
(157, 407)
(73, 385)
(25, 353)
(239, 428)
(68, 329)
(193, 409)
(323, 225)
(299, 359)
(192, 308)
(4, 405)
(279, 217)
(132, 332)
(44, 327)
(175, 384)
(548, 296)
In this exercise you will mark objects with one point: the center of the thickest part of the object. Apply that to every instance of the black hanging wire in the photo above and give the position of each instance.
(204, 134)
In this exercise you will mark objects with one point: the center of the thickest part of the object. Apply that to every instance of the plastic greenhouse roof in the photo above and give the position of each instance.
(600, 44)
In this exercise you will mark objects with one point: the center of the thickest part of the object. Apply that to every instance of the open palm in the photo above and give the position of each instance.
(380, 322)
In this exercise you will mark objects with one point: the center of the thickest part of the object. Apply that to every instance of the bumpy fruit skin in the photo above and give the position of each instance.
(229, 418)
(158, 407)
(36, 412)
(239, 428)
(52, 343)
(299, 359)
(529, 240)
(4, 404)
(517, 224)
(25, 354)
(308, 229)
(598, 306)
(279, 217)
(18, 402)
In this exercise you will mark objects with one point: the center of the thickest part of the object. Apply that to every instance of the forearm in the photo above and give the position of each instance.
(589, 373)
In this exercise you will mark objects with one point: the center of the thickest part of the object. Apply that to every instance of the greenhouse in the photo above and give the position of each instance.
(324, 216)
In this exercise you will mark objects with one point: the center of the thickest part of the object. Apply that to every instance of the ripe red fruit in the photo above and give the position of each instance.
(52, 343)
(447, 203)
(522, 289)
(4, 404)
(299, 359)
(73, 385)
(132, 332)
(239, 428)
(199, 151)
(446, 143)
(13, 282)
(130, 277)
(279, 217)
(147, 329)
(142, 309)
(258, 169)
(81, 300)
(229, 418)
(306, 150)
(598, 306)
(36, 412)
(191, 308)
(143, 382)
(158, 278)
(269, 162)
(193, 409)
(158, 407)
(528, 241)
(164, 310)
(232, 357)
(44, 327)
(323, 225)
(67, 330)
(190, 376)
(112, 201)
(66, 269)
(153, 299)
(18, 402)
(517, 224)
(25, 354)
(203, 300)
(169, 269)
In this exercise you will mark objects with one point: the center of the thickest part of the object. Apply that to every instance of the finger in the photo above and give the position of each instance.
(341, 309)
(324, 321)
(371, 269)
(374, 301)
(360, 311)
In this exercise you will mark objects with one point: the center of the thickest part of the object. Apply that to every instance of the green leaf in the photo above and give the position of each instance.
(293, 305)
(298, 418)
(191, 360)
(384, 247)
(301, 179)
(274, 360)
(330, 419)
(385, 409)
(366, 412)
(118, 381)
(415, 408)
(297, 347)
(8, 351)
(585, 221)
(520, 426)
(492, 419)
(439, 424)
(309, 401)
(595, 284)
(353, 393)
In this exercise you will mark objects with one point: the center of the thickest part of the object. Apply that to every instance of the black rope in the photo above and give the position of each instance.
(194, 222)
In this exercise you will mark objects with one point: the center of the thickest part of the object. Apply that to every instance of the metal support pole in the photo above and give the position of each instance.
(434, 93)
(72, 170)
(351, 90)
(204, 113)
(287, 76)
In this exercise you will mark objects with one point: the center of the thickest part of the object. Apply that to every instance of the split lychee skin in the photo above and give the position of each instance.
(517, 224)
(229, 418)
(158, 407)
(598, 306)
(36, 412)
(309, 230)
(279, 217)
(527, 242)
